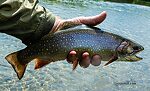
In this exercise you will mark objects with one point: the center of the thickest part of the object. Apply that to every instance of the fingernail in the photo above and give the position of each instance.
(96, 60)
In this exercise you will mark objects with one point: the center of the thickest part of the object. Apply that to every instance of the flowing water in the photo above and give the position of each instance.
(130, 21)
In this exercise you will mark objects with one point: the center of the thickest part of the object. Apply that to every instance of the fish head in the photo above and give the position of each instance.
(127, 51)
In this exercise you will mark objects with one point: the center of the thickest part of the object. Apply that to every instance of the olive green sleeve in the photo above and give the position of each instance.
(25, 19)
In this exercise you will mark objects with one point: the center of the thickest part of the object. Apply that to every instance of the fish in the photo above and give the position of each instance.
(76, 40)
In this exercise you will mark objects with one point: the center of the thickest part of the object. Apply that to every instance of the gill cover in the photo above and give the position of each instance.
(127, 51)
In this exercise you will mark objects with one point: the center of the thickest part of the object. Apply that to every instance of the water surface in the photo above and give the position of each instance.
(130, 21)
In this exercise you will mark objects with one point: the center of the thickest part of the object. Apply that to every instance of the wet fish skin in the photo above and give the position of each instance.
(55, 47)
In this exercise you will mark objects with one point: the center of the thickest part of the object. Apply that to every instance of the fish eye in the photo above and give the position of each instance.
(135, 48)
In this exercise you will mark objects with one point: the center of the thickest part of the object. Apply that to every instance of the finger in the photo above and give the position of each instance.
(72, 59)
(96, 60)
(85, 60)
(71, 56)
(93, 20)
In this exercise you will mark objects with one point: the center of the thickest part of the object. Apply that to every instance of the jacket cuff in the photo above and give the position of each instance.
(43, 27)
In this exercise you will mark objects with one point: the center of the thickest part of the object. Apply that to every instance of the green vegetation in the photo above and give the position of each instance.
(141, 2)
(120, 1)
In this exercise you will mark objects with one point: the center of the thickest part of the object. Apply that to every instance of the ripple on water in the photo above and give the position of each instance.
(128, 20)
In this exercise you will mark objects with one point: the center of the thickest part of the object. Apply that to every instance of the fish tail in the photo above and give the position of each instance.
(18, 67)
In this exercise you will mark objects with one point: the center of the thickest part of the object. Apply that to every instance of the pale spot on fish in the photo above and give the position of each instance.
(45, 53)
(65, 51)
(70, 39)
(72, 44)
(56, 49)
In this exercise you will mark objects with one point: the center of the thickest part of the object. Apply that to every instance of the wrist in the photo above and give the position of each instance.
(57, 24)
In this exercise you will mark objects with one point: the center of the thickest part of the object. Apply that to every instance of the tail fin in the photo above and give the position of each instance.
(19, 68)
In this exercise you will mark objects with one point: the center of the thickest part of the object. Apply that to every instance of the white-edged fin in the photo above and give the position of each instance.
(112, 59)
(39, 63)
(19, 68)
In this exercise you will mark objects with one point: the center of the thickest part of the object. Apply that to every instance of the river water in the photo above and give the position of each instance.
(130, 21)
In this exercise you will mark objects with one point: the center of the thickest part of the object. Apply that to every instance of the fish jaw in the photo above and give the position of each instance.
(128, 50)
(133, 57)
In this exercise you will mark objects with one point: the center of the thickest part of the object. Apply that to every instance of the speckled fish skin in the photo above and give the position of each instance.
(55, 47)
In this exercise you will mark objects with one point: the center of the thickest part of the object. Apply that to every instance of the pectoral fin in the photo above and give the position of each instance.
(114, 58)
(40, 63)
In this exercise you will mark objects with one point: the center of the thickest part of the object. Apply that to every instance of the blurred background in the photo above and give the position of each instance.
(141, 2)
(126, 19)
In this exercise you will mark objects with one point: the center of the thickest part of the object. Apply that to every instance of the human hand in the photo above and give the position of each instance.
(85, 59)
(91, 20)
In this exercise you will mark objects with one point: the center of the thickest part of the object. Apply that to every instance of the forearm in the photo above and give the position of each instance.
(25, 20)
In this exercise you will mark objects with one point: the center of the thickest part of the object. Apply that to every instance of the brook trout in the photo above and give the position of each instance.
(55, 47)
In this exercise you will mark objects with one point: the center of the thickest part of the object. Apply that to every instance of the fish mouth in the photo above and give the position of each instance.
(132, 57)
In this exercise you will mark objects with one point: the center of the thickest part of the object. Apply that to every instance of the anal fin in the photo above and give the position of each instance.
(75, 64)
(39, 63)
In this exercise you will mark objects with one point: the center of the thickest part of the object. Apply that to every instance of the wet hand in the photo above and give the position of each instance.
(91, 20)
(84, 59)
